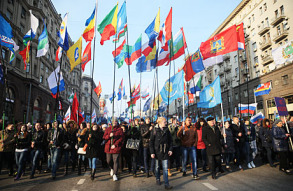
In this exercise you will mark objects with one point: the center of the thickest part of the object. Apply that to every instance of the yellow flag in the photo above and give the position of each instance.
(74, 54)
(155, 102)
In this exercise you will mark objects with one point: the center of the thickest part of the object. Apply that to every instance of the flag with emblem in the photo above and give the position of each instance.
(98, 89)
(63, 34)
(74, 54)
(33, 30)
(89, 32)
(153, 30)
(87, 55)
(121, 22)
(25, 54)
(43, 45)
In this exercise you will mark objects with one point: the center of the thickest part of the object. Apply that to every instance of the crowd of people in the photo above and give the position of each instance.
(146, 146)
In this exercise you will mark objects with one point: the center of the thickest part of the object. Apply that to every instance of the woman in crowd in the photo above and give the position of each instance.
(201, 148)
(250, 144)
(265, 134)
(81, 134)
(125, 158)
(229, 149)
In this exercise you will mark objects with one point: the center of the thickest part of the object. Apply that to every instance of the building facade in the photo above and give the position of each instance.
(19, 106)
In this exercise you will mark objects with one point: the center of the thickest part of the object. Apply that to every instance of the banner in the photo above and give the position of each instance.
(281, 106)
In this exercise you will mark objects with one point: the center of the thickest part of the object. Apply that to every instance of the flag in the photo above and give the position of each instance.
(74, 111)
(87, 55)
(6, 34)
(119, 54)
(121, 22)
(12, 57)
(33, 30)
(164, 56)
(112, 97)
(144, 65)
(153, 30)
(263, 89)
(107, 27)
(157, 101)
(187, 68)
(195, 84)
(162, 107)
(53, 80)
(179, 44)
(118, 50)
(70, 98)
(257, 117)
(197, 62)
(149, 52)
(283, 54)
(12, 54)
(245, 108)
(136, 92)
(94, 116)
(190, 98)
(210, 96)
(63, 35)
(60, 105)
(135, 52)
(240, 36)
(58, 54)
(43, 45)
(67, 115)
(25, 55)
(165, 33)
(147, 105)
(98, 89)
(173, 88)
(74, 54)
(120, 90)
(220, 44)
(123, 91)
(145, 93)
(89, 32)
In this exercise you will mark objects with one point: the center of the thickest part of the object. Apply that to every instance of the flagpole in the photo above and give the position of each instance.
(170, 57)
(254, 102)
(154, 89)
(223, 121)
(239, 83)
(4, 92)
(113, 100)
(140, 92)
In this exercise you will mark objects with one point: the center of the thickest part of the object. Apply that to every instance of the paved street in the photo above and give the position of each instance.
(261, 178)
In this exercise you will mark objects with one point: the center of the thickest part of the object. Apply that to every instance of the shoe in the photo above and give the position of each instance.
(47, 170)
(115, 177)
(134, 175)
(16, 178)
(169, 172)
(184, 174)
(53, 177)
(195, 177)
(249, 165)
(32, 177)
(158, 182)
(147, 174)
(111, 172)
(252, 164)
(228, 168)
(222, 170)
(168, 187)
(214, 176)
(240, 168)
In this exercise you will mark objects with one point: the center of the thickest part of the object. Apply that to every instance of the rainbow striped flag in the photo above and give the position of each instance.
(263, 89)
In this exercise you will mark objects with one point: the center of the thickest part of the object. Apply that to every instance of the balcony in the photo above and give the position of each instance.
(226, 57)
(266, 59)
(263, 30)
(222, 83)
(228, 67)
(244, 71)
(221, 72)
(242, 56)
(280, 35)
(265, 44)
(278, 18)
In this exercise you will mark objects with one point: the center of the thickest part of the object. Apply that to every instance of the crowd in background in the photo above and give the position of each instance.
(206, 144)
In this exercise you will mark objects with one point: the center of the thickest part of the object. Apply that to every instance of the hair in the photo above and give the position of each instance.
(234, 117)
(83, 125)
(226, 122)
(160, 119)
(198, 123)
(187, 118)
(246, 119)
(136, 120)
(25, 132)
(264, 122)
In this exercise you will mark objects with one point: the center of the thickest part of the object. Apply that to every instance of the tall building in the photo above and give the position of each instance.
(267, 25)
(18, 105)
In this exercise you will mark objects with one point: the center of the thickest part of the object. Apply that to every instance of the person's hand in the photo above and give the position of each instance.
(111, 134)
(226, 146)
(239, 134)
(237, 140)
(151, 128)
(33, 144)
(287, 135)
(224, 135)
(248, 132)
(183, 124)
(14, 135)
(152, 156)
(170, 153)
(51, 142)
(90, 135)
(113, 147)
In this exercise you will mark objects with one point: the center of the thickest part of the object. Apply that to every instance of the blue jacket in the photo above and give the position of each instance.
(280, 142)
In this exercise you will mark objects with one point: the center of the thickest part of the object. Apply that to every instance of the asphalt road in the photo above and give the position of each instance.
(261, 178)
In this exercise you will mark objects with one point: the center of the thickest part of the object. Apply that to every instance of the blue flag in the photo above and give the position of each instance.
(6, 34)
(145, 66)
(162, 107)
(196, 62)
(111, 98)
(175, 89)
(210, 96)
(147, 104)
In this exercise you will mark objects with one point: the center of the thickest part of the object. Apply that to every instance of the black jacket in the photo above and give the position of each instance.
(22, 141)
(229, 141)
(161, 143)
(8, 141)
(145, 134)
(94, 143)
(70, 137)
(212, 140)
(236, 130)
(58, 142)
(39, 138)
(266, 136)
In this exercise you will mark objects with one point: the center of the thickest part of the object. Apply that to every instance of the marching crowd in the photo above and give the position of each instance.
(146, 146)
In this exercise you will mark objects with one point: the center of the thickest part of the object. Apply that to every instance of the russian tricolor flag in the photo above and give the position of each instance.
(256, 117)
(245, 108)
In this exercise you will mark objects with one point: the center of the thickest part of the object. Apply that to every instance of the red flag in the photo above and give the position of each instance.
(166, 31)
(74, 110)
(189, 73)
(60, 105)
(219, 44)
(190, 98)
(119, 49)
(58, 54)
(136, 91)
(98, 89)
(80, 117)
(25, 54)
(240, 36)
(87, 55)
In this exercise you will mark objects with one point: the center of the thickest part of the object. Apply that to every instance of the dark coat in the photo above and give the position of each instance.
(59, 139)
(252, 136)
(229, 141)
(161, 143)
(22, 141)
(117, 139)
(266, 136)
(81, 134)
(280, 141)
(39, 139)
(94, 144)
(70, 135)
(212, 140)
(145, 134)
(236, 130)
(8, 141)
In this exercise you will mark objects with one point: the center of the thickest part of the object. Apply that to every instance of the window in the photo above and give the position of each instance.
(279, 30)
(254, 46)
(249, 21)
(9, 14)
(41, 79)
(216, 72)
(253, 32)
(229, 99)
(245, 93)
(271, 103)
(4, 52)
(282, 10)
(289, 99)
(11, 2)
(285, 79)
(35, 70)
(259, 105)
(260, 10)
(236, 96)
(253, 19)
(276, 13)
(286, 40)
(22, 27)
(267, 22)
(42, 65)
(23, 12)
(235, 58)
(257, 73)
(236, 71)
(255, 59)
(265, 7)
(47, 69)
(275, 1)
(17, 63)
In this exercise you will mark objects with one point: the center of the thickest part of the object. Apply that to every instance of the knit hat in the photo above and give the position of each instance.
(277, 121)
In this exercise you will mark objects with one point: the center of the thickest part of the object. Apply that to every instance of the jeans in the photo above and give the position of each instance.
(35, 157)
(82, 157)
(269, 155)
(175, 157)
(73, 154)
(49, 163)
(192, 153)
(134, 158)
(55, 154)
(147, 158)
(20, 158)
(253, 147)
(92, 163)
(203, 153)
(228, 158)
(248, 154)
(165, 171)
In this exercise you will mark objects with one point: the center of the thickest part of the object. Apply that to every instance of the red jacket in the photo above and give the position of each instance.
(117, 139)
(200, 143)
